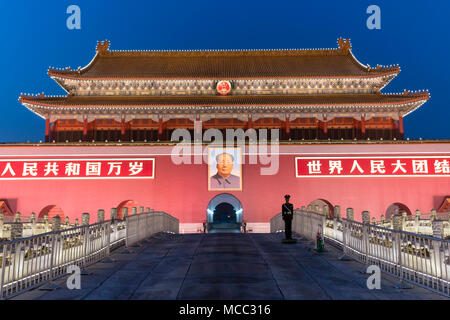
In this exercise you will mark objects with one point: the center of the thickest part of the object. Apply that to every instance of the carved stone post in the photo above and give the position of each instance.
(1, 225)
(326, 211)
(56, 223)
(33, 223)
(141, 210)
(310, 207)
(366, 217)
(433, 214)
(124, 212)
(133, 211)
(76, 223)
(113, 213)
(438, 228)
(17, 217)
(417, 221)
(404, 216)
(397, 222)
(337, 212)
(85, 217)
(46, 227)
(16, 230)
(100, 215)
(350, 214)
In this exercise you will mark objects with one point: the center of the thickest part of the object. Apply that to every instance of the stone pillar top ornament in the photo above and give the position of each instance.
(366, 217)
(438, 228)
(350, 214)
(397, 222)
(56, 223)
(85, 219)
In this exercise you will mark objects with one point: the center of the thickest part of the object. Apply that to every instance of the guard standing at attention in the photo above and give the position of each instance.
(287, 212)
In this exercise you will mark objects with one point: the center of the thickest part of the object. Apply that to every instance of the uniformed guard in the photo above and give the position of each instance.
(287, 212)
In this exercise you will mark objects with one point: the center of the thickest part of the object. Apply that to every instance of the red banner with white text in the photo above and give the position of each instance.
(109, 168)
(400, 166)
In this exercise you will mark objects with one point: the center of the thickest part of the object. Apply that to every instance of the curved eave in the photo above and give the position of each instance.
(69, 76)
(44, 109)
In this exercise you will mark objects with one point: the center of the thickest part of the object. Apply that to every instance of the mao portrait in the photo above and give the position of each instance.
(224, 169)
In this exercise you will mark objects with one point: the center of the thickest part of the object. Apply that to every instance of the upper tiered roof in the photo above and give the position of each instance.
(157, 82)
(223, 64)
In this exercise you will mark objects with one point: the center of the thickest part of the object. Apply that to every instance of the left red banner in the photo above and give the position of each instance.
(85, 168)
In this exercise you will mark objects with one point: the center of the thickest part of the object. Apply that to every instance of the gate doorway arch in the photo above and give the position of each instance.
(396, 209)
(224, 213)
(321, 203)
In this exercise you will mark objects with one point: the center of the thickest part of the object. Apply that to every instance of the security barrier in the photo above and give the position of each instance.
(30, 262)
(416, 258)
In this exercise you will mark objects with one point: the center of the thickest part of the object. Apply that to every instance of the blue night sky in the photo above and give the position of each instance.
(414, 34)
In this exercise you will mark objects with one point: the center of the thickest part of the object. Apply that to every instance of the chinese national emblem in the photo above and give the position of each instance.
(223, 87)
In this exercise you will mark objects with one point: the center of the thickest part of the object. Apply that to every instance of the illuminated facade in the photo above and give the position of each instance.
(123, 102)
(145, 95)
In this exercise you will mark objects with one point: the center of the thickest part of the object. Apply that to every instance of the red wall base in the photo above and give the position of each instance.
(182, 190)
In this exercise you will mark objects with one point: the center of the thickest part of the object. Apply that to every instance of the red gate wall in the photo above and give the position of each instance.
(182, 190)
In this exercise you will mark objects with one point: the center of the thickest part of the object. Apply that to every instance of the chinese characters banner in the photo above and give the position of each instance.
(372, 166)
(118, 168)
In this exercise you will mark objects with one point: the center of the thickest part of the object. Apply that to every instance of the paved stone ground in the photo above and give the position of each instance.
(227, 266)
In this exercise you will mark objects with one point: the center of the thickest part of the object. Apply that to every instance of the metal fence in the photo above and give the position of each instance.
(416, 258)
(33, 261)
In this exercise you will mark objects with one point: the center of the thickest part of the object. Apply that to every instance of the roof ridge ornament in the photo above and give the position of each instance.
(344, 44)
(102, 46)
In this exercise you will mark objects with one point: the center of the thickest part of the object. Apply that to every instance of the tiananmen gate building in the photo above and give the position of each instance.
(333, 138)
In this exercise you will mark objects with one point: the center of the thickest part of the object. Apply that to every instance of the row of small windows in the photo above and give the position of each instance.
(241, 85)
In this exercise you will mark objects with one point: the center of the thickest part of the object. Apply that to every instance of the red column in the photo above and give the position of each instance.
(160, 128)
(250, 122)
(55, 130)
(288, 126)
(393, 131)
(325, 127)
(47, 129)
(122, 129)
(400, 125)
(317, 128)
(85, 128)
(363, 127)
(198, 127)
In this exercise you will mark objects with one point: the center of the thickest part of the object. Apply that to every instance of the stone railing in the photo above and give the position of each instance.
(141, 226)
(19, 226)
(412, 257)
(420, 223)
(433, 223)
(32, 261)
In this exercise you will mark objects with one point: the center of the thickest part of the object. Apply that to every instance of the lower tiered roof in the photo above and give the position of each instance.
(403, 103)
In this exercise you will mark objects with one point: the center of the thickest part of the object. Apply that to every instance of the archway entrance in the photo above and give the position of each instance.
(224, 213)
(320, 203)
(396, 209)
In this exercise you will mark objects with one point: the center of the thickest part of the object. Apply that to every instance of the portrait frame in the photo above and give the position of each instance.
(236, 152)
